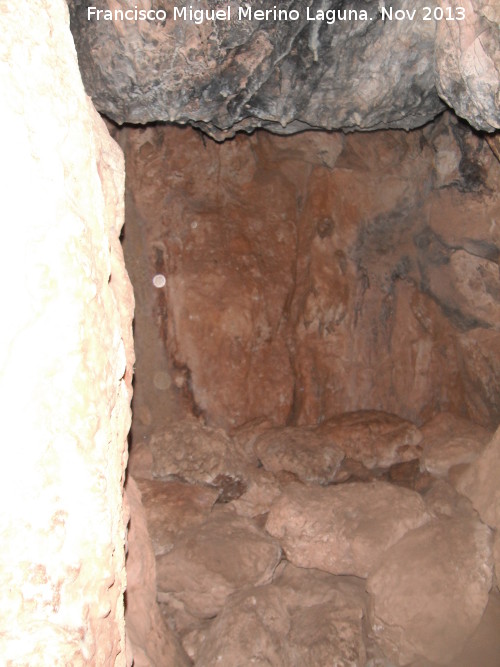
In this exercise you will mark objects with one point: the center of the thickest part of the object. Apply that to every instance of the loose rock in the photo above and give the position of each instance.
(312, 456)
(449, 440)
(376, 439)
(210, 562)
(195, 453)
(173, 506)
(430, 590)
(306, 617)
(343, 529)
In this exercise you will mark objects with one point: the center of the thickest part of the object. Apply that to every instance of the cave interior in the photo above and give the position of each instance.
(316, 334)
(312, 233)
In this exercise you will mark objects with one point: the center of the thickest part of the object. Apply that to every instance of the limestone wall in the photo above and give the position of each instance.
(66, 354)
(314, 274)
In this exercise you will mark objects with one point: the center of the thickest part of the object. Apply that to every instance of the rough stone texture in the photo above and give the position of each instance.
(288, 75)
(483, 647)
(430, 590)
(262, 488)
(311, 456)
(314, 274)
(172, 506)
(152, 643)
(375, 439)
(496, 556)
(442, 499)
(449, 440)
(468, 62)
(194, 453)
(343, 529)
(479, 483)
(210, 562)
(305, 617)
(66, 355)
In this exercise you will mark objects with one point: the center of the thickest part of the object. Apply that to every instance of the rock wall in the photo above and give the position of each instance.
(317, 273)
(342, 64)
(66, 355)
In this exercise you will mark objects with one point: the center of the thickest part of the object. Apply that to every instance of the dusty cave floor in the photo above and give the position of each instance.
(350, 544)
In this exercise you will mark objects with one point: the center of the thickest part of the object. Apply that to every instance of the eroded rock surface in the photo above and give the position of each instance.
(195, 453)
(449, 440)
(480, 484)
(210, 562)
(311, 456)
(305, 617)
(468, 62)
(152, 642)
(430, 590)
(343, 529)
(375, 439)
(173, 506)
(293, 72)
(315, 274)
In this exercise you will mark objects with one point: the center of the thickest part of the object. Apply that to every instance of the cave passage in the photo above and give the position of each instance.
(316, 391)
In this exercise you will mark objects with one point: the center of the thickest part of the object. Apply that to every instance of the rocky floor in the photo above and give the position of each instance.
(362, 542)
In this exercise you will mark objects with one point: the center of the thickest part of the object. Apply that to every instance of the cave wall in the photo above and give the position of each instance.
(354, 66)
(314, 274)
(67, 355)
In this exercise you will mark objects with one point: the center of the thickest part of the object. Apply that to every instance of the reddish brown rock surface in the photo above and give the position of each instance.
(311, 275)
(311, 456)
(172, 506)
(152, 642)
(480, 484)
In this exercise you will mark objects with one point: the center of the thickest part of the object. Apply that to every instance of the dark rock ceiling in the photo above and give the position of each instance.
(288, 75)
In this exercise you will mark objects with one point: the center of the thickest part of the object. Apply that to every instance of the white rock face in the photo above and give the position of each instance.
(344, 529)
(430, 590)
(65, 353)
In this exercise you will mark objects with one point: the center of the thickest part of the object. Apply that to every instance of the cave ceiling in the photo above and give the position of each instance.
(310, 70)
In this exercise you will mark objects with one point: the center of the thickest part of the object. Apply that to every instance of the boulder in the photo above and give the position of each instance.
(430, 590)
(343, 529)
(311, 456)
(305, 618)
(210, 562)
(480, 483)
(173, 506)
(195, 453)
(449, 440)
(374, 438)
(262, 489)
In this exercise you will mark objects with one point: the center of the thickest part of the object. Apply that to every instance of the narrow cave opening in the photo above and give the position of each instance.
(317, 366)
